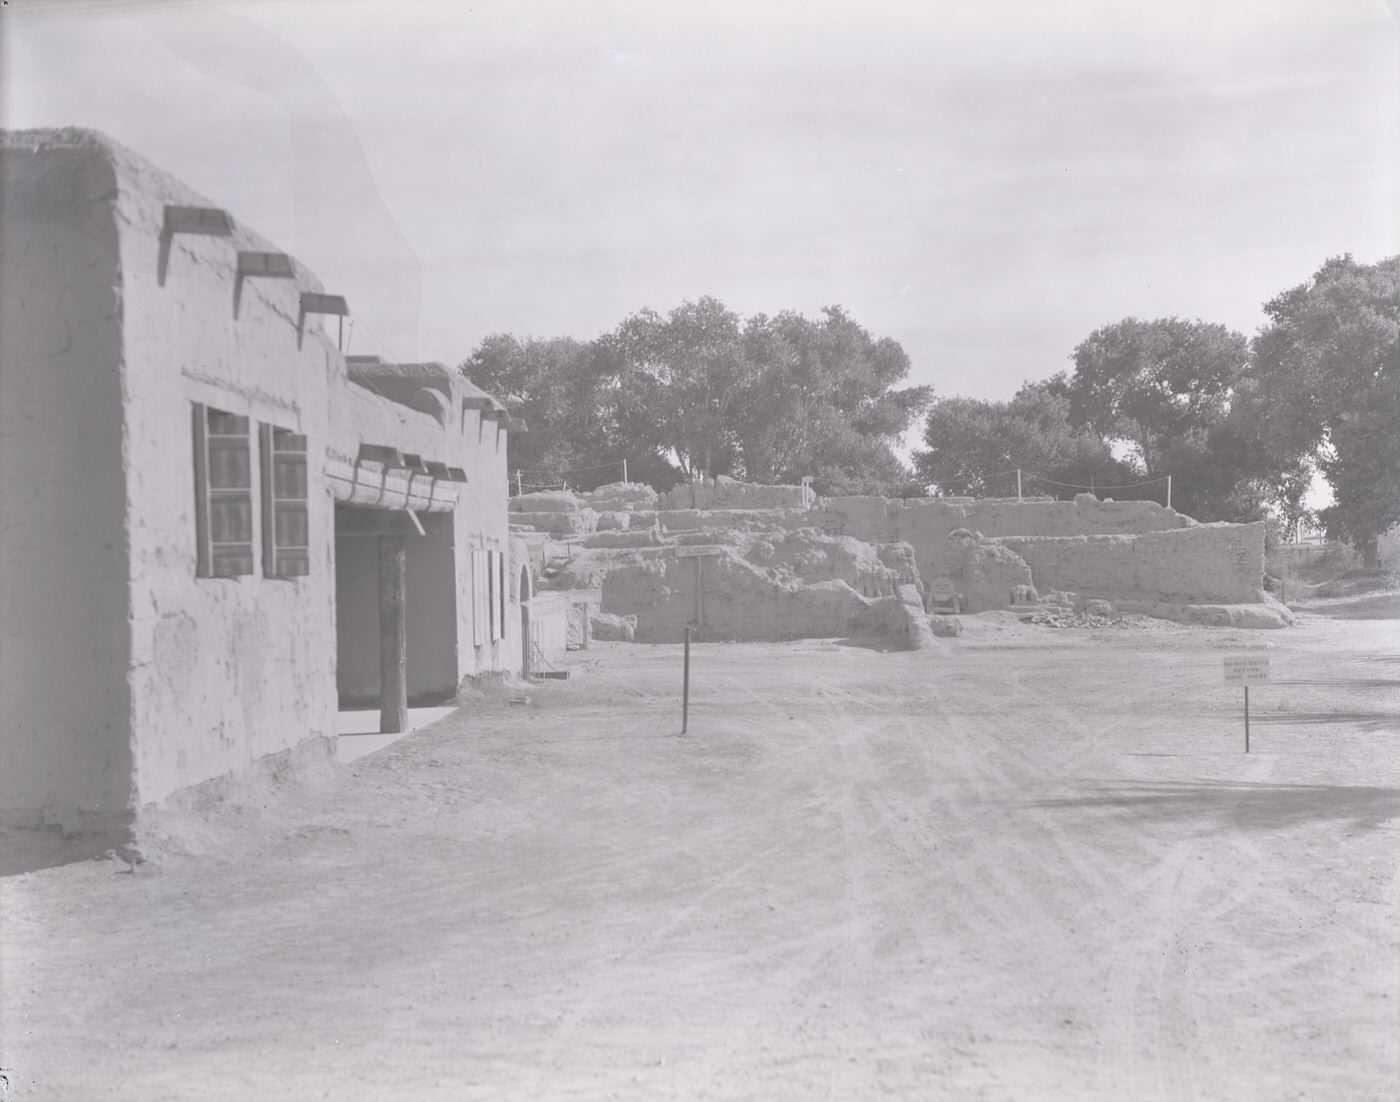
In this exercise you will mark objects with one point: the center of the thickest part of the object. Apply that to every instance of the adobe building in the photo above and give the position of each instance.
(217, 529)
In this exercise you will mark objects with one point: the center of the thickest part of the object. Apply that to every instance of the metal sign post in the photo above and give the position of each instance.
(685, 689)
(1246, 670)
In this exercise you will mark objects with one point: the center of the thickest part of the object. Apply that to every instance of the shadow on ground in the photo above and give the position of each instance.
(32, 850)
(1250, 806)
(883, 644)
(1366, 721)
(1384, 606)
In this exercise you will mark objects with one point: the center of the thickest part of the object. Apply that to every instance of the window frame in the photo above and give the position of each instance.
(285, 478)
(217, 496)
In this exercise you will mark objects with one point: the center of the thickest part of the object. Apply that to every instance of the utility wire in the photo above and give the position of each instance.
(1078, 486)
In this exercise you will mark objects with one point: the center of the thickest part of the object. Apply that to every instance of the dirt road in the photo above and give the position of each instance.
(1033, 865)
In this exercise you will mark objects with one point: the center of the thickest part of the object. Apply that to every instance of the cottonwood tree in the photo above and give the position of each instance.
(581, 420)
(975, 447)
(1326, 389)
(824, 401)
(1169, 388)
(702, 391)
(1155, 383)
(689, 373)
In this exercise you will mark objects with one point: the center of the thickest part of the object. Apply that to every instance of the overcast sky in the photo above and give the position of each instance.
(986, 182)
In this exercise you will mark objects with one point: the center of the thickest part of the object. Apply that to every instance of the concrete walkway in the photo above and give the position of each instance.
(357, 730)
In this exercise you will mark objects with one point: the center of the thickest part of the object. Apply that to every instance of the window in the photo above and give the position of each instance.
(285, 529)
(501, 592)
(491, 593)
(478, 568)
(223, 494)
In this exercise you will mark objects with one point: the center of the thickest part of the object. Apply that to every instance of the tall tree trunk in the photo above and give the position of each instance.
(1370, 553)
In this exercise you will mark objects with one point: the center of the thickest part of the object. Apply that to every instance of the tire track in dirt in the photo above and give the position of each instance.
(803, 955)
(1146, 1005)
(1144, 1048)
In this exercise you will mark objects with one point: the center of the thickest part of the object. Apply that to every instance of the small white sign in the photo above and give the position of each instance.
(1246, 669)
(942, 589)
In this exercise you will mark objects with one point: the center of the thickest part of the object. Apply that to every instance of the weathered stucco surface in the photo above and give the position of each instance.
(782, 571)
(255, 654)
(126, 677)
(727, 493)
(1204, 564)
(65, 752)
(925, 523)
(740, 601)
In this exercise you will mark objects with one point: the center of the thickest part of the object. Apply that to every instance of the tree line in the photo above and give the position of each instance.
(1241, 425)
(702, 391)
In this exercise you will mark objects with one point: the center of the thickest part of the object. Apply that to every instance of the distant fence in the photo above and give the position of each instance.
(1024, 483)
(533, 482)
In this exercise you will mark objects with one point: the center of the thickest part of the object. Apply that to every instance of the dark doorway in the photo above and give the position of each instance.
(428, 612)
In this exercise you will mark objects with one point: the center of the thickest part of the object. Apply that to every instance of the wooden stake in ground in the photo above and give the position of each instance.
(685, 685)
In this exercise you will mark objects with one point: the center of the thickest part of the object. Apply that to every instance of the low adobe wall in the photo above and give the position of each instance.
(1206, 563)
(924, 523)
(726, 493)
(740, 602)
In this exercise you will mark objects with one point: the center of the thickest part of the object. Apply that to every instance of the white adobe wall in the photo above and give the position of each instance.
(125, 677)
(65, 730)
(224, 670)
(481, 519)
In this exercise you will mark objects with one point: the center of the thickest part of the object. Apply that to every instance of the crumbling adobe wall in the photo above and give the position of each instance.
(728, 493)
(1203, 564)
(925, 523)
(740, 602)
(782, 571)
(811, 557)
(985, 572)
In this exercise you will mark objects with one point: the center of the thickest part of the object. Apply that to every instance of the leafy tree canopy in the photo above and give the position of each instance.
(1325, 388)
(975, 447)
(701, 390)
(1155, 383)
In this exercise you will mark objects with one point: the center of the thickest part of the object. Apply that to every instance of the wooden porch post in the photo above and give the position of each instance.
(393, 636)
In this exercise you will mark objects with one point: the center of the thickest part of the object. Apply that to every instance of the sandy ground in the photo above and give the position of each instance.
(1035, 864)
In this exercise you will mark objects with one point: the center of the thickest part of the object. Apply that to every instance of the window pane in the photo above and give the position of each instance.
(233, 562)
(291, 565)
(289, 476)
(230, 465)
(291, 525)
(230, 520)
(226, 424)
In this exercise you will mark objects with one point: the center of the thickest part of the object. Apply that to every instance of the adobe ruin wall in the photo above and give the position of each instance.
(782, 571)
(1204, 564)
(926, 523)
